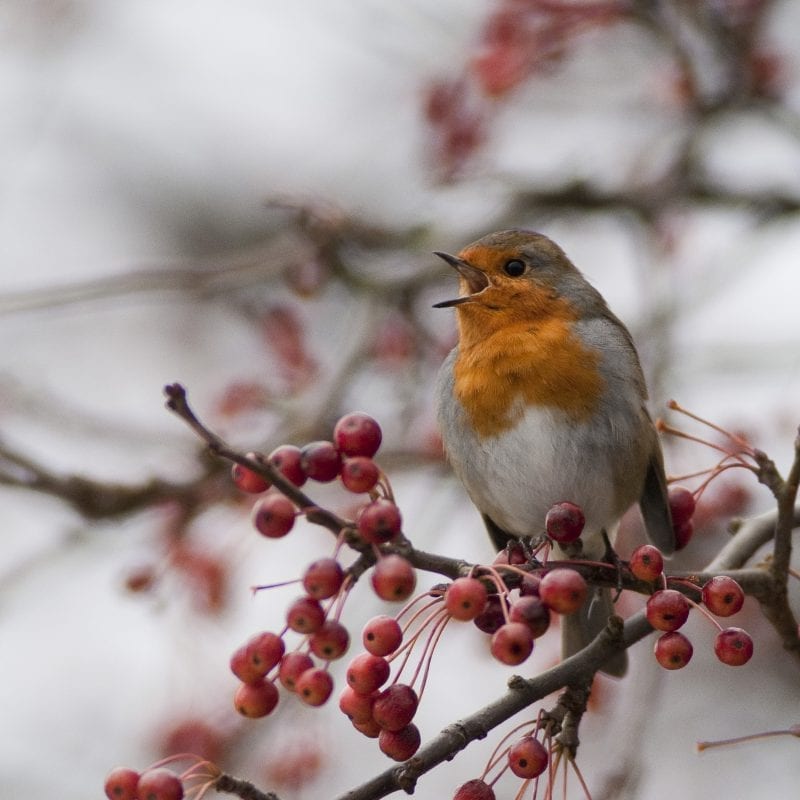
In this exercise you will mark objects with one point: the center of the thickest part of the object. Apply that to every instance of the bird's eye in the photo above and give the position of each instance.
(514, 268)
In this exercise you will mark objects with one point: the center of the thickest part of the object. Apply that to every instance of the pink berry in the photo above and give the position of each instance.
(330, 641)
(321, 461)
(256, 700)
(527, 758)
(681, 504)
(286, 459)
(673, 650)
(256, 657)
(305, 615)
(564, 522)
(395, 707)
(367, 673)
(358, 707)
(382, 635)
(733, 647)
(357, 434)
(273, 516)
(512, 643)
(370, 728)
(323, 578)
(563, 590)
(400, 745)
(379, 521)
(293, 665)
(159, 784)
(465, 598)
(360, 474)
(121, 784)
(475, 789)
(723, 596)
(531, 611)
(314, 686)
(393, 578)
(647, 563)
(248, 481)
(667, 610)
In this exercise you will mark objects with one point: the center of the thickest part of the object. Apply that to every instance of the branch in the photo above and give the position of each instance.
(244, 789)
(178, 403)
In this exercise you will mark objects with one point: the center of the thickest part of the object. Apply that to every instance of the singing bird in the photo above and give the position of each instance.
(542, 401)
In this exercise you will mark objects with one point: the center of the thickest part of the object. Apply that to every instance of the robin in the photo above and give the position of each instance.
(543, 401)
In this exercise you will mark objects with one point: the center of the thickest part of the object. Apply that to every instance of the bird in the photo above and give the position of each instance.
(542, 401)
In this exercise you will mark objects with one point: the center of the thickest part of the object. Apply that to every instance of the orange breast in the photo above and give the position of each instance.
(506, 364)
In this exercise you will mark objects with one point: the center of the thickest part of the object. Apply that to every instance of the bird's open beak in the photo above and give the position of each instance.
(475, 279)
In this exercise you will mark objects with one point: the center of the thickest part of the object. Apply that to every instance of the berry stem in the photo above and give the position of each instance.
(737, 440)
(750, 737)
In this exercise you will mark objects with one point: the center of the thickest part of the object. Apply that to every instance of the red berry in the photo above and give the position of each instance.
(647, 563)
(323, 578)
(314, 686)
(360, 474)
(305, 615)
(248, 481)
(564, 522)
(286, 459)
(121, 784)
(465, 598)
(321, 461)
(400, 745)
(159, 784)
(293, 665)
(683, 534)
(733, 647)
(395, 707)
(273, 516)
(563, 590)
(370, 728)
(256, 657)
(382, 635)
(358, 707)
(492, 617)
(330, 641)
(513, 553)
(681, 504)
(512, 643)
(379, 521)
(673, 650)
(531, 611)
(723, 596)
(393, 578)
(475, 789)
(367, 673)
(256, 700)
(667, 610)
(357, 435)
(527, 758)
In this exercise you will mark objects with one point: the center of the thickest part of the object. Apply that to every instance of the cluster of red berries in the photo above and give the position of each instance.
(262, 661)
(668, 609)
(382, 714)
(158, 783)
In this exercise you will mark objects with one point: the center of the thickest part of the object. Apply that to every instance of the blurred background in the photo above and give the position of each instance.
(244, 196)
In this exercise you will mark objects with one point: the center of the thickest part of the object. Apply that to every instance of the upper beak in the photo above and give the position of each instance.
(475, 279)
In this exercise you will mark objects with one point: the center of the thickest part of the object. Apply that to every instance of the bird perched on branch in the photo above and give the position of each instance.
(543, 401)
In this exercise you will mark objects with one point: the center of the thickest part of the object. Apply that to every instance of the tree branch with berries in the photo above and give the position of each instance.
(511, 600)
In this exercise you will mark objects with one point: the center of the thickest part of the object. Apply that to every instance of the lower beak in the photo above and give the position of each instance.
(475, 279)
